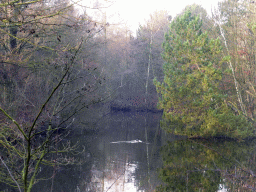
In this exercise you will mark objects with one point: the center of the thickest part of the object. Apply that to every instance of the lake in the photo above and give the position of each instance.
(122, 154)
(129, 152)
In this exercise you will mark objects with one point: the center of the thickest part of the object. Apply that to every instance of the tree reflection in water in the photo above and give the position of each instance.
(208, 165)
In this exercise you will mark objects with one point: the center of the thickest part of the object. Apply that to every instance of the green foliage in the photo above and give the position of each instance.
(190, 94)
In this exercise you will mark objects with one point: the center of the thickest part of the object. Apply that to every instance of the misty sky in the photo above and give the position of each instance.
(135, 12)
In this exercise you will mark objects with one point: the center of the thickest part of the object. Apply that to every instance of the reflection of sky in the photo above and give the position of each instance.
(125, 182)
(222, 188)
(116, 180)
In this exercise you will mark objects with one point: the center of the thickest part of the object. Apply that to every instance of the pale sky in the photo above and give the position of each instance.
(135, 12)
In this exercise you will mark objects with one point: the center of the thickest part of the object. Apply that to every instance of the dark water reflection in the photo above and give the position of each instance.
(111, 165)
(147, 160)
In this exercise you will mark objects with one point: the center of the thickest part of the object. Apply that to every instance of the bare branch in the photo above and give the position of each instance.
(10, 174)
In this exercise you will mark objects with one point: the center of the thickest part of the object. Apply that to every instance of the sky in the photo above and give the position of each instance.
(135, 12)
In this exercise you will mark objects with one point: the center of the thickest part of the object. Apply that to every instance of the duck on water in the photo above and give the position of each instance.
(132, 141)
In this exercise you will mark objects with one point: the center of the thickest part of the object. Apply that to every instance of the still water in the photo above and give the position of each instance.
(129, 145)
(130, 153)
(122, 155)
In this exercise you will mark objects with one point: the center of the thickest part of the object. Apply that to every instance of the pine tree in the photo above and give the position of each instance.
(191, 98)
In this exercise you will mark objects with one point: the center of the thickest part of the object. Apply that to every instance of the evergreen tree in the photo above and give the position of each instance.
(191, 98)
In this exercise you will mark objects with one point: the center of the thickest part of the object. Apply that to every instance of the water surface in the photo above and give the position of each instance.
(129, 152)
(123, 154)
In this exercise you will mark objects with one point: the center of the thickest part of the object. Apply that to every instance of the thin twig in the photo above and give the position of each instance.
(10, 174)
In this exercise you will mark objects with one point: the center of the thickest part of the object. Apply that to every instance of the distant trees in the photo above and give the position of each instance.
(146, 54)
(133, 61)
(193, 103)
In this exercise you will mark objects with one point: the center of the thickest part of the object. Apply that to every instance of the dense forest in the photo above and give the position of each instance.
(62, 67)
